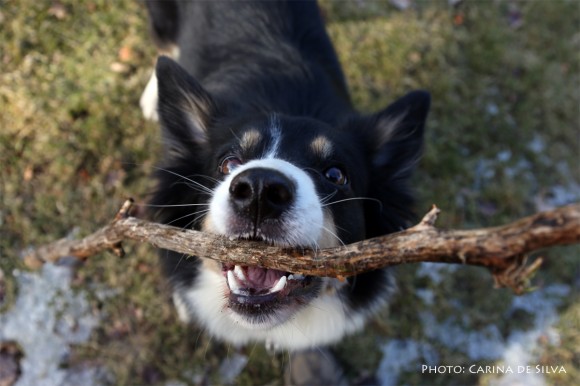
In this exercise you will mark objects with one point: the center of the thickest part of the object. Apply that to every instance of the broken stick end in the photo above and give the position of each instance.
(430, 218)
(125, 209)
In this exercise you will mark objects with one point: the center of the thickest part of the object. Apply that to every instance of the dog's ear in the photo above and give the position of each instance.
(185, 108)
(396, 137)
(398, 134)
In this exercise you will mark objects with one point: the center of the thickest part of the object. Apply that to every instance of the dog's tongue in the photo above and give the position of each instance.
(260, 278)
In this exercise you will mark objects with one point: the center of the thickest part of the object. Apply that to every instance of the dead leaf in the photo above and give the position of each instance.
(126, 54)
(119, 68)
(58, 10)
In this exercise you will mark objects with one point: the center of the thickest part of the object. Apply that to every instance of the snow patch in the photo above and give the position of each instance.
(519, 348)
(48, 317)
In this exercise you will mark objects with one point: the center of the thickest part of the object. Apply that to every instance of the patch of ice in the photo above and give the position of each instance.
(522, 168)
(522, 348)
(492, 109)
(504, 155)
(175, 383)
(519, 348)
(546, 299)
(435, 271)
(426, 295)
(231, 367)
(403, 355)
(45, 320)
(484, 344)
(537, 144)
(562, 195)
(484, 171)
(402, 4)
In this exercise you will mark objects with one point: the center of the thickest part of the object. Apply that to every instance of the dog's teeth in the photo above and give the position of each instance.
(233, 282)
(279, 285)
(240, 273)
(295, 276)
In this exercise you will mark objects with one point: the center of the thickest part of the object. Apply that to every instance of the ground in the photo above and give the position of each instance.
(502, 142)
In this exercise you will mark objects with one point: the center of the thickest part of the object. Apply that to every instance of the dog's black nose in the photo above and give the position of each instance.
(261, 193)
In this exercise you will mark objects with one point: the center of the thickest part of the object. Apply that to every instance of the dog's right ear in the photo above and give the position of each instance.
(185, 108)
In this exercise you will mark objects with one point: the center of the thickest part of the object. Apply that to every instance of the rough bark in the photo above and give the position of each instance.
(503, 250)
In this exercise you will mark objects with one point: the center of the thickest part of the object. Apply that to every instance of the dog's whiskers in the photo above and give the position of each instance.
(354, 199)
(188, 215)
(195, 183)
(333, 235)
(214, 180)
(183, 256)
(327, 198)
(200, 214)
(169, 205)
(315, 247)
(198, 188)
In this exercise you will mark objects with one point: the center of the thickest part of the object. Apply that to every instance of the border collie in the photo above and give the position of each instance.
(262, 142)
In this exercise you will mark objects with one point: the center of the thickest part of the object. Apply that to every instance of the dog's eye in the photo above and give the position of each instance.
(336, 176)
(229, 164)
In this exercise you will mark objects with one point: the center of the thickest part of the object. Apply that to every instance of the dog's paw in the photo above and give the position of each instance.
(148, 101)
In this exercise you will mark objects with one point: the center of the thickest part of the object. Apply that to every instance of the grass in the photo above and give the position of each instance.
(503, 133)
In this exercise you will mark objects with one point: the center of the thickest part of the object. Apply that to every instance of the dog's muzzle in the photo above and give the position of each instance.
(273, 201)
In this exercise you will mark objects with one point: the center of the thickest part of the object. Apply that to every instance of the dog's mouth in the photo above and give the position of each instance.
(255, 293)
(256, 285)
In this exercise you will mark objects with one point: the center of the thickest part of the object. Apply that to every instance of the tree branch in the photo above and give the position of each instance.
(503, 250)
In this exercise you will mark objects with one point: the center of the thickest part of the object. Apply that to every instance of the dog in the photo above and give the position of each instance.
(262, 142)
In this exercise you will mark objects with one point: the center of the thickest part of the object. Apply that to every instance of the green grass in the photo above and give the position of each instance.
(73, 146)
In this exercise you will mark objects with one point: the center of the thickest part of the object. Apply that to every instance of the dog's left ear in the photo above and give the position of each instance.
(398, 134)
(185, 108)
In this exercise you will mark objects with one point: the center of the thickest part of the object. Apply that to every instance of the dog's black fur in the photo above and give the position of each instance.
(246, 67)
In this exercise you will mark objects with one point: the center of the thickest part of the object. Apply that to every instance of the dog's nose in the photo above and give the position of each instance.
(261, 193)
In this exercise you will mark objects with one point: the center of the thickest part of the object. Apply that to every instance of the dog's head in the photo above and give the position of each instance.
(289, 181)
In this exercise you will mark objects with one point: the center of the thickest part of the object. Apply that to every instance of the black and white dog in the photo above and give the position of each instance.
(263, 143)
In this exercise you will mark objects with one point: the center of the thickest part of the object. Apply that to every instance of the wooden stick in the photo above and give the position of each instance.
(501, 249)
